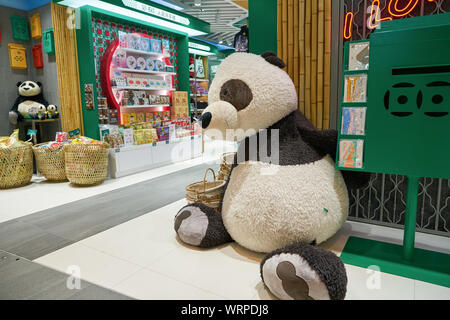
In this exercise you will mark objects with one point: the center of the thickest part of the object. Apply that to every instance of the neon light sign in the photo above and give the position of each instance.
(395, 10)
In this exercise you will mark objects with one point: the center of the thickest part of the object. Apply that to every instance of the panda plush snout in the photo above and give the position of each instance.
(205, 119)
(219, 117)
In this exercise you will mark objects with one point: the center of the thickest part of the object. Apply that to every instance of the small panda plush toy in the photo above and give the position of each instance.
(30, 103)
(284, 204)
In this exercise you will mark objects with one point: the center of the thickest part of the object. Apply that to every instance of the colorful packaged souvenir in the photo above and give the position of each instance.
(61, 136)
(140, 117)
(154, 135)
(165, 47)
(150, 64)
(122, 39)
(145, 44)
(140, 63)
(147, 135)
(133, 41)
(163, 133)
(160, 65)
(139, 137)
(120, 59)
(155, 45)
(131, 62)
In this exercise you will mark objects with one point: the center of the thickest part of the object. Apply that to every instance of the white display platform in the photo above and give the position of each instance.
(129, 160)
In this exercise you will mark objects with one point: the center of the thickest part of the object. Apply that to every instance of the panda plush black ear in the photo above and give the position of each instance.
(19, 83)
(39, 84)
(272, 58)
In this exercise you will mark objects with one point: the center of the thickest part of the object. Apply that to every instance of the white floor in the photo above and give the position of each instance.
(41, 194)
(142, 258)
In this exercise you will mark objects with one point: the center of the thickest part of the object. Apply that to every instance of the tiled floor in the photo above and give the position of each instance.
(119, 236)
(145, 260)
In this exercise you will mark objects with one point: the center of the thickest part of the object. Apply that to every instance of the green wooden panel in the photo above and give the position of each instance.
(408, 114)
(262, 25)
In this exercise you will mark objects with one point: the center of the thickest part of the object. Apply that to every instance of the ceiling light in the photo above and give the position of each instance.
(197, 3)
(221, 41)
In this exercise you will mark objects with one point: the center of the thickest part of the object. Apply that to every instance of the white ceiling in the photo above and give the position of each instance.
(221, 14)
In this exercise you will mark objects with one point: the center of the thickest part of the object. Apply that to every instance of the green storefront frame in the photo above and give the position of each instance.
(86, 60)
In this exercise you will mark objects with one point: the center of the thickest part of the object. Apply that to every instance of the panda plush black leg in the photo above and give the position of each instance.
(304, 272)
(199, 225)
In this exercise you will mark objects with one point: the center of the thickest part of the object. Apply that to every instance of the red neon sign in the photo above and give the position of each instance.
(348, 25)
(374, 20)
(395, 9)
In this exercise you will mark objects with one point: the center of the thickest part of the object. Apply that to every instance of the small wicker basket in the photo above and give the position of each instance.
(16, 166)
(206, 192)
(225, 165)
(51, 162)
(86, 164)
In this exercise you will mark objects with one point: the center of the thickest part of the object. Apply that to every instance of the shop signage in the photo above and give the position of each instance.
(155, 11)
(394, 8)
(199, 46)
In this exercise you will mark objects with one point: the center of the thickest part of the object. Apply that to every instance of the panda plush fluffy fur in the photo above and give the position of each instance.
(284, 208)
(29, 102)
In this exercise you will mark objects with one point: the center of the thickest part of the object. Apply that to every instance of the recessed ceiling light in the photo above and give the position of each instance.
(197, 3)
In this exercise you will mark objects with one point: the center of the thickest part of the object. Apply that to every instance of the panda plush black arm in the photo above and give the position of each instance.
(325, 142)
(15, 109)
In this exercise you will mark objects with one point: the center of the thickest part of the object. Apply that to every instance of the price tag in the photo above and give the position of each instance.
(105, 132)
(74, 133)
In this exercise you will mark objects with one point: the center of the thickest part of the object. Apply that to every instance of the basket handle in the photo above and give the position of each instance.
(204, 178)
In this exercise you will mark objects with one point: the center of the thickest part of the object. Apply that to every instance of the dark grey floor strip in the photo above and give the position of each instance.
(24, 279)
(46, 231)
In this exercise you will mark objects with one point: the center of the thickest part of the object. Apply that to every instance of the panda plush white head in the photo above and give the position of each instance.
(29, 88)
(249, 93)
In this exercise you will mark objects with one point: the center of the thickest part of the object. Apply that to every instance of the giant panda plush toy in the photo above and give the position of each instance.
(284, 207)
(29, 103)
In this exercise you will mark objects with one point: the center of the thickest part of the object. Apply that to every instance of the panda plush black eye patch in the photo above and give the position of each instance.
(236, 92)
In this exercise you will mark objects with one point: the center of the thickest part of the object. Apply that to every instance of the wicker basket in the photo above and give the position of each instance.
(16, 166)
(50, 162)
(225, 165)
(86, 164)
(206, 192)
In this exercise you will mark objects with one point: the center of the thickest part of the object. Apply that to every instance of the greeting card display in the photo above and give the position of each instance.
(355, 88)
(351, 153)
(359, 56)
(353, 121)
